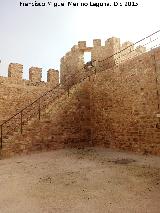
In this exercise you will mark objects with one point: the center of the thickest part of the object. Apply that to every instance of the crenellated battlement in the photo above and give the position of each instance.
(112, 44)
(111, 101)
(35, 74)
(16, 92)
(97, 43)
(15, 73)
(53, 77)
(73, 61)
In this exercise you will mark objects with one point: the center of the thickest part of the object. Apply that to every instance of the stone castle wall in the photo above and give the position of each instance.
(16, 93)
(125, 105)
(72, 67)
(118, 107)
(65, 123)
(125, 99)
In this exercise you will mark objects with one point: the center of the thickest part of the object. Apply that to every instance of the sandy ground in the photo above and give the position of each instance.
(80, 181)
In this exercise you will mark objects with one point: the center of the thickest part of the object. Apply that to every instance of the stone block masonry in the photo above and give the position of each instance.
(117, 107)
(65, 123)
(124, 105)
(15, 71)
(53, 77)
(16, 93)
(124, 100)
(35, 74)
(72, 67)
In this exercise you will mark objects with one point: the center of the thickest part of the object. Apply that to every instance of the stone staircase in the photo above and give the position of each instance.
(64, 123)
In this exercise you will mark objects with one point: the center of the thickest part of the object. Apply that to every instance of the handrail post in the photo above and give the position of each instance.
(95, 68)
(21, 122)
(39, 109)
(1, 135)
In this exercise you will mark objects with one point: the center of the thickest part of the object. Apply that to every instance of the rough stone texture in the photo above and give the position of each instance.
(66, 123)
(16, 93)
(128, 51)
(100, 53)
(53, 77)
(14, 97)
(119, 108)
(15, 71)
(72, 66)
(35, 74)
(125, 104)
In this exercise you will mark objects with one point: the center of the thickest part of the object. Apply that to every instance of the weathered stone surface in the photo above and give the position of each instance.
(53, 77)
(35, 74)
(15, 71)
(65, 123)
(16, 93)
(72, 65)
(117, 107)
(124, 105)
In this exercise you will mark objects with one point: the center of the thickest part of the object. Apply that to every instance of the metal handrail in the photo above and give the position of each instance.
(38, 100)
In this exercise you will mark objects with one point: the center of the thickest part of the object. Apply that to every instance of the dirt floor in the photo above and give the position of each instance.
(80, 181)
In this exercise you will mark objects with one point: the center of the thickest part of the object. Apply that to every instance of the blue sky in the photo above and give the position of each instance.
(41, 36)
